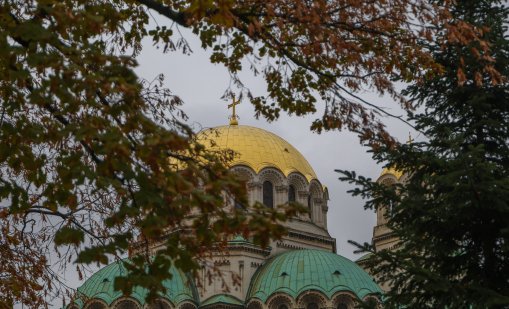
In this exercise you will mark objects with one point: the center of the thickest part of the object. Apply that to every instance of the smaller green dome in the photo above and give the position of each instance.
(100, 286)
(298, 271)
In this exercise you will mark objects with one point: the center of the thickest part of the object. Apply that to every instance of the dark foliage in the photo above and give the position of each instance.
(452, 213)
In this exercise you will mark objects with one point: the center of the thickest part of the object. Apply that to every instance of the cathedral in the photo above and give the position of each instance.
(300, 270)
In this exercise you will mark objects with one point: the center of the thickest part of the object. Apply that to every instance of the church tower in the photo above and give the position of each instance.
(383, 237)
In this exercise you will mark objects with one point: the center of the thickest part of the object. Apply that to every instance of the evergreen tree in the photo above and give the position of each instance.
(452, 213)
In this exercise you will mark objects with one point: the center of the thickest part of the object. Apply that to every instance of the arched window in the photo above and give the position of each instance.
(187, 305)
(291, 194)
(96, 305)
(126, 304)
(312, 306)
(282, 306)
(390, 209)
(342, 306)
(268, 194)
(254, 305)
(160, 304)
(371, 302)
(310, 206)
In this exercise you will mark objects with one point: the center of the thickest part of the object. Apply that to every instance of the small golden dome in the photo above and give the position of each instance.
(257, 149)
(392, 171)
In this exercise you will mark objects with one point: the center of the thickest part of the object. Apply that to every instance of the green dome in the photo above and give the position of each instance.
(222, 299)
(297, 271)
(100, 286)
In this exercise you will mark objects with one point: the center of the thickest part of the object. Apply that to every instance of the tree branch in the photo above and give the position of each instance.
(178, 17)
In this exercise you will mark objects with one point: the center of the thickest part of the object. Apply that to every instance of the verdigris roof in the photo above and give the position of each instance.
(239, 239)
(100, 286)
(222, 299)
(297, 271)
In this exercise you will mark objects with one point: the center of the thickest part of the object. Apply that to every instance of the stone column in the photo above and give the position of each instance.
(317, 210)
(302, 198)
(325, 209)
(254, 192)
(281, 195)
(241, 275)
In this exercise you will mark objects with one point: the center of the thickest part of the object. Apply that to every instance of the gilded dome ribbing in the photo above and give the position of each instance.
(391, 171)
(257, 149)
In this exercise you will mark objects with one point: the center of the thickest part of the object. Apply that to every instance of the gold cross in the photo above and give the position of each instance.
(410, 139)
(233, 118)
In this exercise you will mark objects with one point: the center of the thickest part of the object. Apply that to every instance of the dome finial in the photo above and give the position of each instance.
(410, 139)
(233, 117)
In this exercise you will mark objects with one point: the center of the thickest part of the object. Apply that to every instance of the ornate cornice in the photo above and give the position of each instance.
(311, 237)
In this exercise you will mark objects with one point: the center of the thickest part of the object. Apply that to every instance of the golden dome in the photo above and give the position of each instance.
(257, 149)
(392, 171)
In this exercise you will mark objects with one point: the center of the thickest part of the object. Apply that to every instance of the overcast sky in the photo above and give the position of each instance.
(201, 84)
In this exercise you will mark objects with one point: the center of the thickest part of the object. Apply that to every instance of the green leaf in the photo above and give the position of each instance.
(68, 235)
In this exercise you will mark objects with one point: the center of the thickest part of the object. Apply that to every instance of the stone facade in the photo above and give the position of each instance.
(304, 232)
(300, 270)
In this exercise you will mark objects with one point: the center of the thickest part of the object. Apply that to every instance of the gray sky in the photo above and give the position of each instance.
(201, 84)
